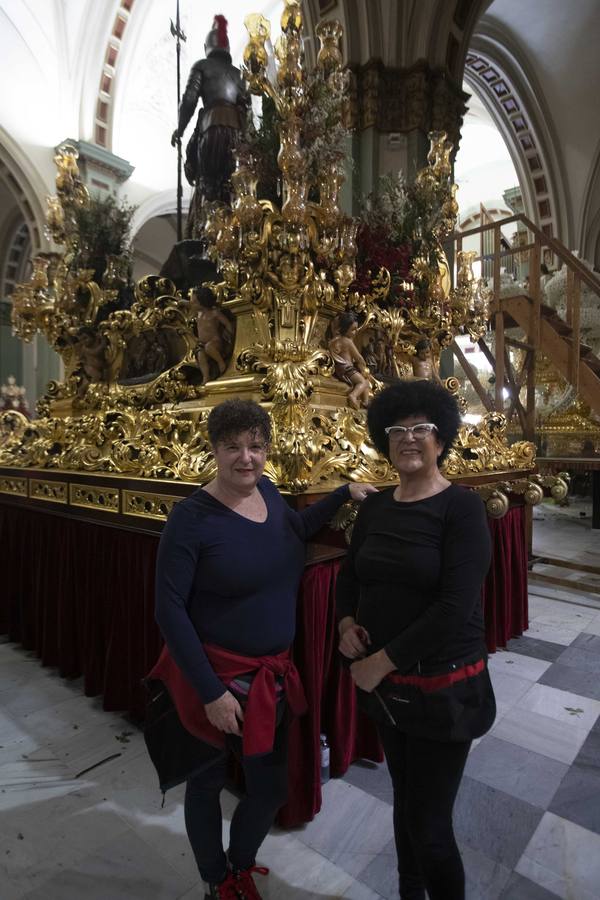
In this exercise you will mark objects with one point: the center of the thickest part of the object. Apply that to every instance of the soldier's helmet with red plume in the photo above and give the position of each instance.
(217, 38)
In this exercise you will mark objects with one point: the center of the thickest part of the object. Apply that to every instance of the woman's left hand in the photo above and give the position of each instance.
(358, 492)
(367, 673)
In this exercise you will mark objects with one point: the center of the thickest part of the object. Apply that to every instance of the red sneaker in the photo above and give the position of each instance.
(224, 890)
(245, 882)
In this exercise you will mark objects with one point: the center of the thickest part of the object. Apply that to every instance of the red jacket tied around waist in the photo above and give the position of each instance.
(260, 711)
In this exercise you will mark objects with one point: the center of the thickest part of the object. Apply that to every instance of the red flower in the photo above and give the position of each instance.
(376, 250)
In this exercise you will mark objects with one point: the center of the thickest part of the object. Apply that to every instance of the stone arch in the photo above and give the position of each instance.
(16, 258)
(161, 204)
(589, 224)
(353, 37)
(22, 236)
(104, 102)
(25, 187)
(401, 34)
(516, 104)
(451, 28)
(591, 251)
(154, 231)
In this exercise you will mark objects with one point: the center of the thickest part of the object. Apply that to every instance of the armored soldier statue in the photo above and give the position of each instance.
(209, 154)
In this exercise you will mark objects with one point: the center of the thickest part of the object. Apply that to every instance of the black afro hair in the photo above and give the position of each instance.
(410, 398)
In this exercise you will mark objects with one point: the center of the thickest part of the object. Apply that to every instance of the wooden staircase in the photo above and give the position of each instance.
(576, 362)
(545, 331)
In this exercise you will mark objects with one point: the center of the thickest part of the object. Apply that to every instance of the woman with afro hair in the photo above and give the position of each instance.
(408, 598)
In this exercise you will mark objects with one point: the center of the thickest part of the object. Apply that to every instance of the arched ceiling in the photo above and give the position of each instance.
(104, 71)
(47, 49)
(145, 112)
(401, 34)
(545, 51)
(55, 56)
(483, 169)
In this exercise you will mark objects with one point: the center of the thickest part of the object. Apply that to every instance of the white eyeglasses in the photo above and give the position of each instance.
(398, 433)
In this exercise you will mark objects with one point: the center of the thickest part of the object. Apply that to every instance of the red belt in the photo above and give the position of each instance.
(429, 683)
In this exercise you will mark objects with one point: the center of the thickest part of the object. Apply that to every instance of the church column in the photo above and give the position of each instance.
(391, 112)
(393, 109)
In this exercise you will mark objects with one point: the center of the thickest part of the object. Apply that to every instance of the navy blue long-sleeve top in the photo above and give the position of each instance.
(224, 579)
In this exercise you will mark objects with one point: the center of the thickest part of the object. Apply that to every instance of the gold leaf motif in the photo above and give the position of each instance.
(497, 505)
(93, 498)
(134, 400)
(147, 505)
(15, 486)
(484, 448)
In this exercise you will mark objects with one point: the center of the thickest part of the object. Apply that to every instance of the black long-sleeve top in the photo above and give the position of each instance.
(224, 579)
(414, 573)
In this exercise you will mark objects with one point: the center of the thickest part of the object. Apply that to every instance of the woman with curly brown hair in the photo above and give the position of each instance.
(229, 566)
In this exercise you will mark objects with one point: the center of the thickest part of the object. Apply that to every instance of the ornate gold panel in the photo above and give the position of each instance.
(15, 486)
(147, 505)
(94, 498)
(55, 491)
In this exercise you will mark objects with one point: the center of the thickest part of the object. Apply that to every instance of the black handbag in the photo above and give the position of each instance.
(175, 753)
(451, 703)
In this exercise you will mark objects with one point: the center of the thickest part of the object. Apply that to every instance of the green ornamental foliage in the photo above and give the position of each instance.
(262, 143)
(104, 228)
(323, 137)
(324, 133)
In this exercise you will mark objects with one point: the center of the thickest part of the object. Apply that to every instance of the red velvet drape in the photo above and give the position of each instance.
(331, 700)
(504, 592)
(81, 596)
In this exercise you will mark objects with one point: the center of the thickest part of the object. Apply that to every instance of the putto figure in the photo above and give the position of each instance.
(423, 363)
(215, 332)
(209, 159)
(350, 366)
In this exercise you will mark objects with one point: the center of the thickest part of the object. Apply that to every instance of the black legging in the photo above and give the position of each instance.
(425, 775)
(266, 792)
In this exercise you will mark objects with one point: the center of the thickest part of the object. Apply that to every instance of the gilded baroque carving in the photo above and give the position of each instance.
(402, 100)
(93, 498)
(147, 505)
(483, 448)
(496, 496)
(56, 491)
(134, 400)
(15, 486)
(344, 520)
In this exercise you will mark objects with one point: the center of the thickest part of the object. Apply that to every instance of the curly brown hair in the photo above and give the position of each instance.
(232, 417)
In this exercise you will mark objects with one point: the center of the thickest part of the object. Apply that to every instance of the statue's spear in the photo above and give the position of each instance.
(179, 37)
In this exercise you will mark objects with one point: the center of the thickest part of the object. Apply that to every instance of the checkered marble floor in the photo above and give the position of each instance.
(527, 816)
(80, 813)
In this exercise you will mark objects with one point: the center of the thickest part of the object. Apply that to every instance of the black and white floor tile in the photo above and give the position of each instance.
(528, 812)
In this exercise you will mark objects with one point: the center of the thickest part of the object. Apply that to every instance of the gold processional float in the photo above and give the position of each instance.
(287, 272)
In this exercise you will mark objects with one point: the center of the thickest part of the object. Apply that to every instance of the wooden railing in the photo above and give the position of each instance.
(487, 244)
(493, 256)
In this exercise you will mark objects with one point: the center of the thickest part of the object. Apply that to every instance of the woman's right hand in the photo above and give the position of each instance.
(225, 713)
(354, 639)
